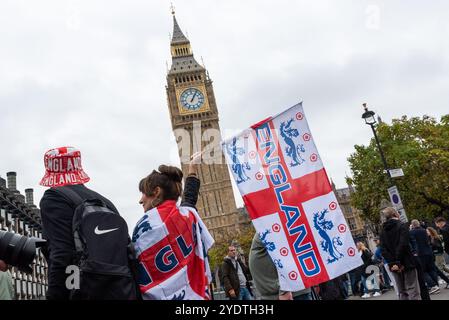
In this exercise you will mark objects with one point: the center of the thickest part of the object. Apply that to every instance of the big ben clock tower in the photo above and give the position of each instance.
(193, 108)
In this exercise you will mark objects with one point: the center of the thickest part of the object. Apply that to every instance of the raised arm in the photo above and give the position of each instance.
(192, 183)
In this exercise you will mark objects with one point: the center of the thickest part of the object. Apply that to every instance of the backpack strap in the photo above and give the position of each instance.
(77, 201)
(71, 195)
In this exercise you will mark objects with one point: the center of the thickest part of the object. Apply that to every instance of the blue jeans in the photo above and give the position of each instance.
(244, 294)
(365, 286)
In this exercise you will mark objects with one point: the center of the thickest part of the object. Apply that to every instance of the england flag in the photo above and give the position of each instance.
(287, 193)
(171, 244)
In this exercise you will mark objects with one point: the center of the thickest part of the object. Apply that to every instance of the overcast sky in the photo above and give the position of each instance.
(91, 74)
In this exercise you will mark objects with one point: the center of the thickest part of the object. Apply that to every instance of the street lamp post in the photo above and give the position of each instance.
(368, 116)
(393, 191)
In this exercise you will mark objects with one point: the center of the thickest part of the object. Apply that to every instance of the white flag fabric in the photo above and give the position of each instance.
(287, 193)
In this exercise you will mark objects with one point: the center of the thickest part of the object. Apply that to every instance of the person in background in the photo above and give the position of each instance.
(421, 245)
(386, 273)
(367, 255)
(443, 227)
(236, 276)
(436, 242)
(396, 249)
(6, 286)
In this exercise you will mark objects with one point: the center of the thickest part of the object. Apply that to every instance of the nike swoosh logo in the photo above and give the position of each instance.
(98, 231)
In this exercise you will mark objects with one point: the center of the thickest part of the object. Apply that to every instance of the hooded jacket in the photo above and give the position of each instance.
(395, 244)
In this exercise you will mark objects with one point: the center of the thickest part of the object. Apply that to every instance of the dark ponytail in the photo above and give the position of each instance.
(168, 178)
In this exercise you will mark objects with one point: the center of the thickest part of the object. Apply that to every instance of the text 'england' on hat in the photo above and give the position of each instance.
(63, 167)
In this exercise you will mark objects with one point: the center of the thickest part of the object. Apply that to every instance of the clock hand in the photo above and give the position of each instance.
(194, 95)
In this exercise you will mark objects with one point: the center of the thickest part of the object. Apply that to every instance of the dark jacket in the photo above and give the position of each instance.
(445, 233)
(367, 256)
(420, 242)
(57, 215)
(230, 276)
(395, 244)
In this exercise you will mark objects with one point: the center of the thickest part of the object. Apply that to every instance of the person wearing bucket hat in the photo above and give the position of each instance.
(63, 170)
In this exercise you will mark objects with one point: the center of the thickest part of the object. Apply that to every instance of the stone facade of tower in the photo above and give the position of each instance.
(193, 111)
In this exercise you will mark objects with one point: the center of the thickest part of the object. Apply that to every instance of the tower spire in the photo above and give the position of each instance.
(181, 50)
(178, 37)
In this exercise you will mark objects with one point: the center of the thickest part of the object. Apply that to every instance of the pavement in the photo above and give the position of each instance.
(391, 295)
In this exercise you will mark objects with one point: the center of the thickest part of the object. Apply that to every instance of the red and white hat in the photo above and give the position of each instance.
(63, 167)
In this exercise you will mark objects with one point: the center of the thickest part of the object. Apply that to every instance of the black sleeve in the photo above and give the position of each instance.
(57, 215)
(191, 191)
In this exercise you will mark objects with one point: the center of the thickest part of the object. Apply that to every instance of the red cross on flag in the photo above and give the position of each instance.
(287, 193)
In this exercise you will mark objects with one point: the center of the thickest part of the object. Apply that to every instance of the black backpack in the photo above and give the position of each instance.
(104, 254)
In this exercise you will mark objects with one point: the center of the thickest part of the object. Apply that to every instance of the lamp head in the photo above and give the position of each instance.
(368, 116)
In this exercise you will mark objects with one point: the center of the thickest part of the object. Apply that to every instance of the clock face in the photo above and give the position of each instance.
(192, 99)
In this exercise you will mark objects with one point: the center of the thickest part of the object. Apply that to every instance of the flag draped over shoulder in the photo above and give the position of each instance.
(290, 201)
(171, 243)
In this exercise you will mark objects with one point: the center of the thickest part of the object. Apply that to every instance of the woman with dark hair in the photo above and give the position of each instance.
(170, 240)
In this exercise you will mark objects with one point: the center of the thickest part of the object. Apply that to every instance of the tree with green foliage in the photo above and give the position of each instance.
(420, 146)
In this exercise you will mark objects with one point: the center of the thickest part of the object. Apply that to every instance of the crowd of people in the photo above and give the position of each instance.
(409, 258)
